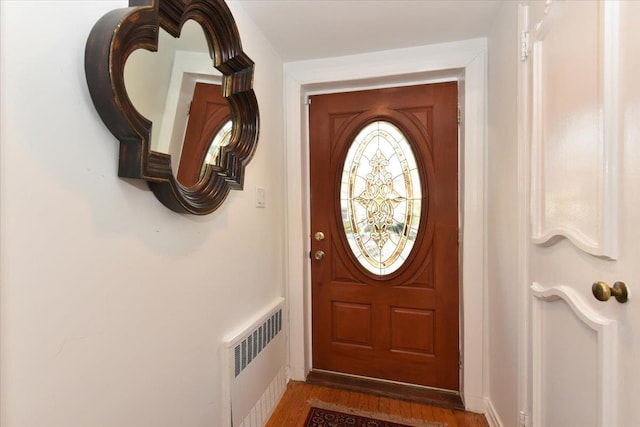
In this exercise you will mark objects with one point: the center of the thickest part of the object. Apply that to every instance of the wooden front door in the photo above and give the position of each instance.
(384, 218)
(208, 114)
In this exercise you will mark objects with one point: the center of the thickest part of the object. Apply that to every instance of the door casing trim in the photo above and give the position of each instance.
(464, 61)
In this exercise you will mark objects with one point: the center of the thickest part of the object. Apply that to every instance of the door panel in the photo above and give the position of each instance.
(570, 371)
(572, 349)
(401, 325)
(210, 111)
(574, 137)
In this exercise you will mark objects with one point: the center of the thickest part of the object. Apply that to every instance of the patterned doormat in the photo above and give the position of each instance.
(347, 417)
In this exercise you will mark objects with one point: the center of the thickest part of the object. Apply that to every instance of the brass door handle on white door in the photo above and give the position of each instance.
(603, 292)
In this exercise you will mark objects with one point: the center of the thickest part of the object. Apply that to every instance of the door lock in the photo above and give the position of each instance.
(319, 255)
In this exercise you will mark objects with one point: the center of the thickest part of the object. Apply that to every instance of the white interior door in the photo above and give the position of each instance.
(583, 117)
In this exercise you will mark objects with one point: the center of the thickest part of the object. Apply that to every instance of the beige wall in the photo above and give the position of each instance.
(502, 214)
(112, 307)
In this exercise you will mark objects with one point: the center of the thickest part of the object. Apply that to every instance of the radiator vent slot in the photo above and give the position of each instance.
(252, 345)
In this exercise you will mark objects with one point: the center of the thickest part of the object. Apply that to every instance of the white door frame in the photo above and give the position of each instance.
(464, 61)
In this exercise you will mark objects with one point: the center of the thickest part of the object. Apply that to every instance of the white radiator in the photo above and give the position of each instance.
(255, 369)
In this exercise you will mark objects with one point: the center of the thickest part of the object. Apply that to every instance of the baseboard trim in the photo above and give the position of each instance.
(436, 397)
(475, 404)
(492, 416)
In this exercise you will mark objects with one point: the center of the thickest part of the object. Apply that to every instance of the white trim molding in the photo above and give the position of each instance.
(492, 415)
(464, 61)
(577, 154)
(606, 332)
(524, 223)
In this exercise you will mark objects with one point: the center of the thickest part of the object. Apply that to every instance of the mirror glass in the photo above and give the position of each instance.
(179, 90)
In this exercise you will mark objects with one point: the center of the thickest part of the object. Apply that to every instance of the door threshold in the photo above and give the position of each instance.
(403, 391)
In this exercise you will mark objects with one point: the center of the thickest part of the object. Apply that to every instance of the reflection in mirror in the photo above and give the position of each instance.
(180, 91)
(208, 114)
(221, 139)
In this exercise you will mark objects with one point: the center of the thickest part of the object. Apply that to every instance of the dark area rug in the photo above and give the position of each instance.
(346, 417)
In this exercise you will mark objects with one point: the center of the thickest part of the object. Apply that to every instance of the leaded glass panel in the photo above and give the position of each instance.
(380, 198)
(221, 139)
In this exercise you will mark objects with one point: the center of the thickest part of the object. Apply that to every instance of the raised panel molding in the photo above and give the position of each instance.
(574, 125)
(412, 330)
(606, 358)
(352, 324)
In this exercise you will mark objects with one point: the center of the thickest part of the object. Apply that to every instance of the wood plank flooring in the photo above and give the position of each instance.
(293, 408)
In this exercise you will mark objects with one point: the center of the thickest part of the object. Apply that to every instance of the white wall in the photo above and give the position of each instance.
(112, 307)
(503, 215)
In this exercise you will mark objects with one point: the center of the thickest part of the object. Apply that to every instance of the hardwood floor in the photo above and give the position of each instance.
(293, 408)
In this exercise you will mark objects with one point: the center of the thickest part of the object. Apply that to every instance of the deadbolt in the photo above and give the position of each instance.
(319, 236)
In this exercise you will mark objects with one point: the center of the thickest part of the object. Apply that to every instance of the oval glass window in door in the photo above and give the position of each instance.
(221, 139)
(380, 198)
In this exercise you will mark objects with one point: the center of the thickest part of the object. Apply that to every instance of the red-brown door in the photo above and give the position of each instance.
(384, 218)
(208, 113)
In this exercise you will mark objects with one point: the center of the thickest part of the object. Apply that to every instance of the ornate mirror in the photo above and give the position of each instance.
(171, 82)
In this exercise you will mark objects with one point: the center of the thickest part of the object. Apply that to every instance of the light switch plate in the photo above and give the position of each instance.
(260, 198)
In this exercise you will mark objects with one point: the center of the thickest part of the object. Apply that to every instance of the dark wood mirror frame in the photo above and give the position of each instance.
(120, 32)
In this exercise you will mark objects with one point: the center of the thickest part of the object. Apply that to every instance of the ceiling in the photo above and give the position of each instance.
(310, 29)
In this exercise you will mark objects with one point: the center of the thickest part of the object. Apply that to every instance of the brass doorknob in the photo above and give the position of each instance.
(603, 292)
(319, 255)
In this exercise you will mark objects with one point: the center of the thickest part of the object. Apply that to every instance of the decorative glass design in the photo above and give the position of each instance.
(380, 197)
(222, 138)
